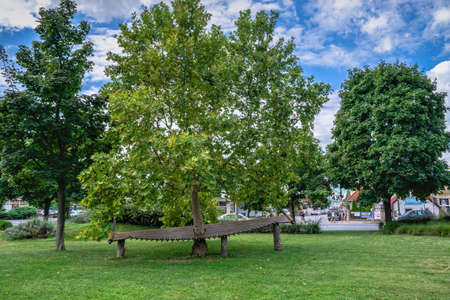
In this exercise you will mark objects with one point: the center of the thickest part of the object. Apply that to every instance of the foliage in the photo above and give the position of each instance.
(431, 228)
(46, 126)
(82, 218)
(5, 224)
(3, 214)
(21, 212)
(356, 207)
(197, 113)
(138, 217)
(33, 229)
(389, 134)
(309, 227)
(312, 182)
(391, 226)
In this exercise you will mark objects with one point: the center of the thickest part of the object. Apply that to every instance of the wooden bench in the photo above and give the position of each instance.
(222, 230)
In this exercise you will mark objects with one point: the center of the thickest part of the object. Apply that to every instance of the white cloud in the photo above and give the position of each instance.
(106, 10)
(441, 16)
(104, 42)
(324, 121)
(385, 45)
(92, 90)
(331, 56)
(20, 14)
(375, 24)
(441, 73)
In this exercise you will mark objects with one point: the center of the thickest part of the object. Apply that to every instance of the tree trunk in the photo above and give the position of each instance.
(292, 208)
(199, 247)
(276, 237)
(224, 245)
(387, 211)
(46, 208)
(61, 215)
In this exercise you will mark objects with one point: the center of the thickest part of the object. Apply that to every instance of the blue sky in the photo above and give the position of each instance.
(332, 36)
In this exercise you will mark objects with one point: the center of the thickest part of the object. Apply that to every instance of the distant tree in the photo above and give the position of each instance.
(389, 134)
(312, 182)
(45, 125)
(197, 113)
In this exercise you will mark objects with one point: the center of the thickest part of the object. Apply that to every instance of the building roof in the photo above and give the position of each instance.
(354, 196)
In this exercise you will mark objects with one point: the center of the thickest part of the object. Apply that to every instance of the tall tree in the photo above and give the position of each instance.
(197, 114)
(277, 106)
(45, 125)
(389, 134)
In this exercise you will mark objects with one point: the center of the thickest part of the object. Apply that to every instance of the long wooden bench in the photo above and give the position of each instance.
(222, 230)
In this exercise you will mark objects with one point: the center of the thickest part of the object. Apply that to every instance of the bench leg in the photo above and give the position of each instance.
(276, 237)
(224, 245)
(120, 248)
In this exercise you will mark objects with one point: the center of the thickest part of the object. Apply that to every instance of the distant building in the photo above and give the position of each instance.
(13, 203)
(442, 200)
(401, 206)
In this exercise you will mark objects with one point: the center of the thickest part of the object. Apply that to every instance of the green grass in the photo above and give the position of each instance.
(339, 265)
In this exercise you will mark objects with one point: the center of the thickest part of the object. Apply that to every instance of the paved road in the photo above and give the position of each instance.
(348, 227)
(340, 226)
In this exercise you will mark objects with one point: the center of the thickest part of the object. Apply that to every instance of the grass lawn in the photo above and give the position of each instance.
(331, 265)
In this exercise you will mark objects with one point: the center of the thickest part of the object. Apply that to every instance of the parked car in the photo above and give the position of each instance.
(52, 213)
(413, 214)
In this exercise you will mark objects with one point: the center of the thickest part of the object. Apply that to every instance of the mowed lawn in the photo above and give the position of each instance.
(339, 265)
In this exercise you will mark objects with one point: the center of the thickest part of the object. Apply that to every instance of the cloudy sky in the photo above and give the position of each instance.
(331, 35)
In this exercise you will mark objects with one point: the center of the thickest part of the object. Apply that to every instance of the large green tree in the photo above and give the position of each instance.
(389, 134)
(46, 126)
(197, 113)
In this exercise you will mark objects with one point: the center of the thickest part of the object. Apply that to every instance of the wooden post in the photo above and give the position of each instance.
(224, 245)
(276, 237)
(120, 248)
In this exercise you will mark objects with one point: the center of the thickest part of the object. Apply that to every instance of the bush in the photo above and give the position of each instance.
(421, 220)
(312, 227)
(390, 227)
(33, 229)
(3, 214)
(432, 228)
(4, 224)
(21, 212)
(144, 218)
(81, 218)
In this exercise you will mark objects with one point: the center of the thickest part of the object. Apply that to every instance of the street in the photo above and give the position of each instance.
(325, 225)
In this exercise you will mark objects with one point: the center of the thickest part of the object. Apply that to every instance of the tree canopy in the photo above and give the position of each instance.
(47, 128)
(389, 134)
(197, 113)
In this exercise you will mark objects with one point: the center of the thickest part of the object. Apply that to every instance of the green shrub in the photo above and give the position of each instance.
(81, 218)
(3, 214)
(33, 229)
(437, 228)
(421, 220)
(389, 227)
(312, 227)
(144, 218)
(22, 212)
(4, 224)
